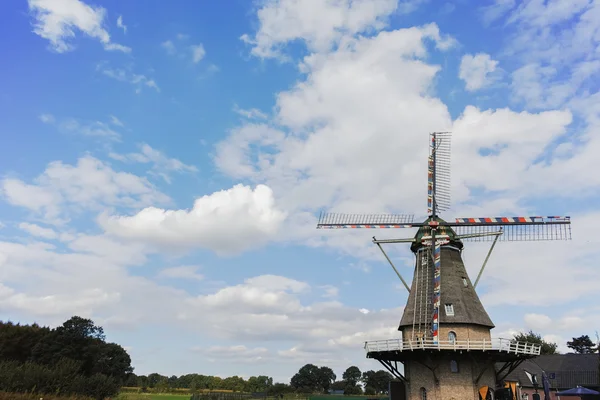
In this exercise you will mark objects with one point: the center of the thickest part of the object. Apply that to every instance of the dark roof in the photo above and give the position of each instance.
(467, 306)
(569, 370)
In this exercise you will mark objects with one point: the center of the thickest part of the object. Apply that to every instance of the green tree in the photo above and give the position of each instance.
(82, 328)
(531, 337)
(308, 379)
(259, 384)
(17, 341)
(582, 345)
(326, 378)
(131, 380)
(112, 360)
(376, 382)
(280, 389)
(352, 375)
(154, 379)
(234, 383)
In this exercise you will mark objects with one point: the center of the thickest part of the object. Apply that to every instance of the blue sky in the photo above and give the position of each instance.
(163, 165)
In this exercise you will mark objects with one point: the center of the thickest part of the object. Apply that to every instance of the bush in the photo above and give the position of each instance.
(33, 396)
(62, 379)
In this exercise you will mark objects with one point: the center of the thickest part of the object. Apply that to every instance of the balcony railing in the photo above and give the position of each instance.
(505, 345)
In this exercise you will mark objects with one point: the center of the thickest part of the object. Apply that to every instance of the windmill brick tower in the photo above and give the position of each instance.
(446, 351)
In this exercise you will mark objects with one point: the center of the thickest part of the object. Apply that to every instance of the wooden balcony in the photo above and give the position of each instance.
(509, 346)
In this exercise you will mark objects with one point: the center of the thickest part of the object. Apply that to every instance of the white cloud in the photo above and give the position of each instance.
(194, 52)
(125, 75)
(320, 24)
(228, 221)
(169, 46)
(330, 291)
(556, 46)
(116, 121)
(540, 87)
(92, 129)
(161, 164)
(543, 323)
(95, 129)
(53, 284)
(252, 113)
(33, 197)
(120, 24)
(47, 118)
(57, 21)
(349, 108)
(36, 230)
(90, 184)
(239, 353)
(476, 70)
(181, 272)
(498, 9)
(266, 307)
(198, 53)
(333, 142)
(537, 321)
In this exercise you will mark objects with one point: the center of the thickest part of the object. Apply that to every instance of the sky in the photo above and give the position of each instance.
(163, 165)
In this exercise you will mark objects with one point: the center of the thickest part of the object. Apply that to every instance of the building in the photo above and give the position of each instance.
(565, 371)
(447, 354)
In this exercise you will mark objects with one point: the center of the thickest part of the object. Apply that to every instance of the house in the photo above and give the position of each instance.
(565, 371)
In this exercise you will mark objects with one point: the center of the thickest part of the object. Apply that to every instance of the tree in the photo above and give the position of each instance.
(352, 390)
(112, 360)
(376, 382)
(326, 378)
(582, 345)
(352, 375)
(531, 337)
(82, 328)
(307, 380)
(72, 359)
(259, 384)
(279, 389)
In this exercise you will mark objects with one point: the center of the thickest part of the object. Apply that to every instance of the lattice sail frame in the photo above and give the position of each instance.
(514, 229)
(466, 229)
(438, 173)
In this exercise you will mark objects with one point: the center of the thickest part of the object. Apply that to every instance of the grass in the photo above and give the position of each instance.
(153, 396)
(31, 396)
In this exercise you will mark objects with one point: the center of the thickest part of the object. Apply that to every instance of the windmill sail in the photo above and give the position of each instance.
(438, 173)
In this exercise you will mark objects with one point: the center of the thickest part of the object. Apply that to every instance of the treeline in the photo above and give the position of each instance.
(580, 345)
(309, 379)
(72, 359)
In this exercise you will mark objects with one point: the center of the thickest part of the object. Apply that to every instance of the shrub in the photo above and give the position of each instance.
(62, 379)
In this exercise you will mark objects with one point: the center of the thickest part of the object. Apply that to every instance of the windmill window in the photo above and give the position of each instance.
(452, 337)
(454, 366)
(423, 394)
(449, 310)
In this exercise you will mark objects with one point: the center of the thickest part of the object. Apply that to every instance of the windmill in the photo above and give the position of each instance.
(437, 247)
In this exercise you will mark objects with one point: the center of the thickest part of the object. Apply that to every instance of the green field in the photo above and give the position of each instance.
(153, 396)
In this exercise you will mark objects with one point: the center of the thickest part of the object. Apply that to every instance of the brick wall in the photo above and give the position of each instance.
(463, 332)
(452, 385)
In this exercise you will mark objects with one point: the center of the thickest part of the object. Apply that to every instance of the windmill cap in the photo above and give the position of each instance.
(442, 230)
